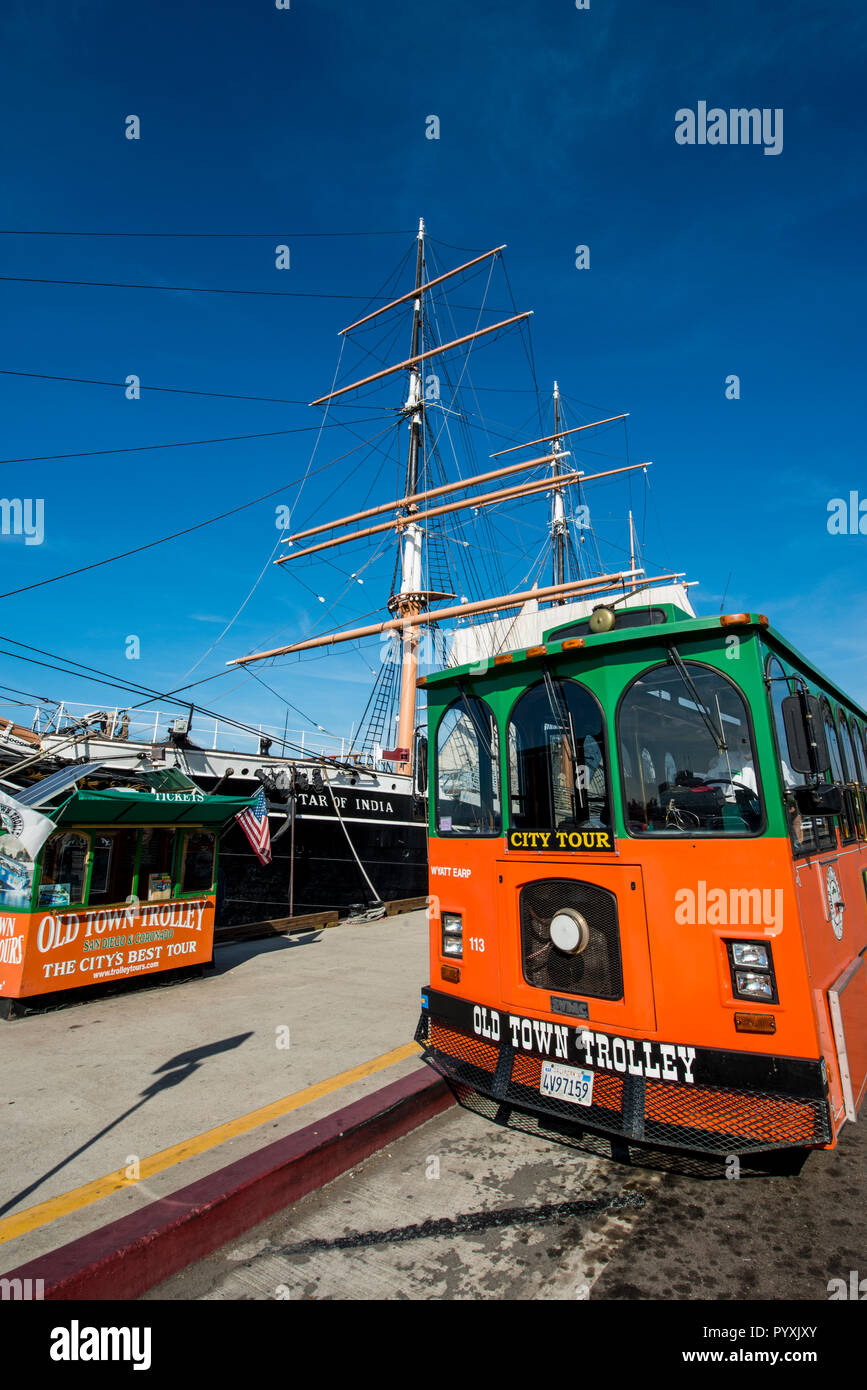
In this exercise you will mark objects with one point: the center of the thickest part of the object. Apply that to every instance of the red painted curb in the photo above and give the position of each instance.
(125, 1258)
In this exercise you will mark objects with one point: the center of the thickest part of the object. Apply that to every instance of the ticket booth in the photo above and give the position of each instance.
(124, 887)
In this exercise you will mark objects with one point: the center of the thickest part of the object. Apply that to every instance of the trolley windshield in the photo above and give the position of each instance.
(686, 754)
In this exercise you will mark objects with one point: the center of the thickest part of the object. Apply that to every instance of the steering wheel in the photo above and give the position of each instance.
(743, 787)
(676, 815)
(746, 797)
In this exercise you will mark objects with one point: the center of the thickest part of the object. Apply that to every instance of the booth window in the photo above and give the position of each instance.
(557, 765)
(689, 720)
(113, 859)
(197, 871)
(156, 858)
(467, 770)
(64, 864)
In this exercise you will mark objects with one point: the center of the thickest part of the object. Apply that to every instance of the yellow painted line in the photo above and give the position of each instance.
(22, 1222)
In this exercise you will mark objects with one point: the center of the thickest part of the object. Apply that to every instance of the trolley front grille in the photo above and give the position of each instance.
(709, 1119)
(596, 972)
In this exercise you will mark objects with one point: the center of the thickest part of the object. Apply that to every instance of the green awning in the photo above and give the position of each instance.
(148, 808)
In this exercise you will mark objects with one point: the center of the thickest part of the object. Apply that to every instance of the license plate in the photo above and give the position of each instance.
(567, 1083)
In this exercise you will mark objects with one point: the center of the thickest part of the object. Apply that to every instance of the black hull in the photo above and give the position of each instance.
(326, 874)
(388, 833)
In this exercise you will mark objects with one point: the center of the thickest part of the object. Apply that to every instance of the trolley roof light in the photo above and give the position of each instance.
(743, 620)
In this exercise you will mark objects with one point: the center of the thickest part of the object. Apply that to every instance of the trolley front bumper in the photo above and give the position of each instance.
(704, 1100)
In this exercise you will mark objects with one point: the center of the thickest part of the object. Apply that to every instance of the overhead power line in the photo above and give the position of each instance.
(204, 289)
(105, 678)
(16, 231)
(146, 386)
(186, 289)
(162, 540)
(182, 443)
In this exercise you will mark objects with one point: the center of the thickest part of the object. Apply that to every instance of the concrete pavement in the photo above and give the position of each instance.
(462, 1209)
(106, 1103)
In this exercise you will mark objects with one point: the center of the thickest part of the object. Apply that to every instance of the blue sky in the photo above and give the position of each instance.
(556, 129)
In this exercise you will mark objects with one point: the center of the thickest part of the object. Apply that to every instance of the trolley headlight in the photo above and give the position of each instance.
(569, 931)
(752, 970)
(749, 985)
(453, 934)
(750, 953)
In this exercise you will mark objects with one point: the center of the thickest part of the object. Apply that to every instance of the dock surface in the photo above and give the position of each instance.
(137, 1109)
(184, 1079)
(460, 1209)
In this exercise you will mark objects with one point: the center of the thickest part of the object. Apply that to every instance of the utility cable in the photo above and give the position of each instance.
(201, 236)
(146, 386)
(181, 444)
(149, 545)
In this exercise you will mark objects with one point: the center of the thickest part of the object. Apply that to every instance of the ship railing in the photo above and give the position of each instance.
(154, 726)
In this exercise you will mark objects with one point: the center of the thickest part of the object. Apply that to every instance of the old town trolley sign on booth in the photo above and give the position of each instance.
(648, 879)
(124, 887)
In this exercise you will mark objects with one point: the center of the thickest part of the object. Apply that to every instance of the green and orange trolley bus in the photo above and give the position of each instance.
(648, 880)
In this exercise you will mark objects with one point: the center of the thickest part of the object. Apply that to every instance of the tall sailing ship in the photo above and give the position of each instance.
(348, 818)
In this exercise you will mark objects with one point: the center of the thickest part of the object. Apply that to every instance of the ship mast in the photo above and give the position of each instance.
(559, 524)
(411, 606)
(409, 601)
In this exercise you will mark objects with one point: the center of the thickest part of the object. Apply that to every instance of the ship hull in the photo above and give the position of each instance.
(339, 813)
(323, 873)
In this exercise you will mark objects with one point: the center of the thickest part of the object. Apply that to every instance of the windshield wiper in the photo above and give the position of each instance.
(563, 716)
(484, 739)
(716, 731)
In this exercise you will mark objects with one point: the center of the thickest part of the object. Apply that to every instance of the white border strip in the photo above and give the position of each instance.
(840, 984)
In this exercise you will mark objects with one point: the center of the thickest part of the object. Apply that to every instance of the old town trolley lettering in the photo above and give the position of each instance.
(122, 883)
(155, 922)
(601, 1051)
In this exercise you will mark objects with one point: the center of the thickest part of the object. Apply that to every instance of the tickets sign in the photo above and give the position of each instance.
(54, 949)
(561, 841)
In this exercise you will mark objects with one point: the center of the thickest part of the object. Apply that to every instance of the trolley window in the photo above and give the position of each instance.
(467, 770)
(692, 720)
(808, 832)
(838, 773)
(850, 767)
(557, 763)
(858, 737)
(861, 762)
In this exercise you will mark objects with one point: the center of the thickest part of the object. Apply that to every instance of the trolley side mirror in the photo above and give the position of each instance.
(421, 764)
(823, 800)
(805, 734)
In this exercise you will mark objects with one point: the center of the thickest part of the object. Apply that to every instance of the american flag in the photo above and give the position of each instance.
(254, 823)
